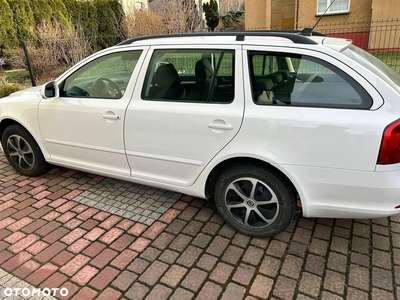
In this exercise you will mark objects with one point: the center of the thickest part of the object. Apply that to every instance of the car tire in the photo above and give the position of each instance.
(254, 200)
(22, 151)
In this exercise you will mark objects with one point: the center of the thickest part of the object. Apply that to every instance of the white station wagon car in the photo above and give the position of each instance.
(256, 121)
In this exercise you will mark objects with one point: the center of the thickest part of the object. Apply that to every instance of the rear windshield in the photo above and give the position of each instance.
(374, 65)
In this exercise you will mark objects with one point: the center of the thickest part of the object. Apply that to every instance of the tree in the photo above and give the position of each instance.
(119, 14)
(212, 15)
(23, 19)
(83, 15)
(59, 13)
(41, 11)
(8, 35)
(193, 18)
(109, 14)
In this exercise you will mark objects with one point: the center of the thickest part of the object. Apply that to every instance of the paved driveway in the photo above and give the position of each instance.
(108, 239)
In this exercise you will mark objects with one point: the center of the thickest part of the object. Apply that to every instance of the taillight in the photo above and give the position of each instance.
(390, 145)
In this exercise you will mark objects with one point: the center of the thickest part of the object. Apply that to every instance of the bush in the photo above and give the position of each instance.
(41, 11)
(83, 16)
(6, 88)
(23, 19)
(15, 59)
(110, 15)
(8, 35)
(142, 22)
(58, 48)
(233, 19)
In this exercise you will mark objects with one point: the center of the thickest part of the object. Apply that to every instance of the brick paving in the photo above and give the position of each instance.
(71, 229)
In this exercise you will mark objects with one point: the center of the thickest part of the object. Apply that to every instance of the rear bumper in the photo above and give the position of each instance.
(337, 193)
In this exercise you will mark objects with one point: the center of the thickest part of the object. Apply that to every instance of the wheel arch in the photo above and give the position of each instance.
(220, 167)
(6, 122)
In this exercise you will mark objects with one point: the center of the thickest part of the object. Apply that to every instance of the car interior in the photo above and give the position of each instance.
(106, 77)
(198, 77)
(291, 79)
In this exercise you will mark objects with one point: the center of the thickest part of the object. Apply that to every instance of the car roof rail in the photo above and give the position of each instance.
(294, 35)
(307, 31)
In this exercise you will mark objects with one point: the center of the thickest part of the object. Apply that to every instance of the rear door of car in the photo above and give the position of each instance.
(172, 139)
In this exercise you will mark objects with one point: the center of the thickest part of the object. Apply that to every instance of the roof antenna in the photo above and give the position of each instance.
(308, 31)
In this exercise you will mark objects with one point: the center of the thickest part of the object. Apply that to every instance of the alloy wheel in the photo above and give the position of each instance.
(20, 152)
(251, 202)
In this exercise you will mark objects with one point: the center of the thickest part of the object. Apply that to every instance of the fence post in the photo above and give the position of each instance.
(28, 63)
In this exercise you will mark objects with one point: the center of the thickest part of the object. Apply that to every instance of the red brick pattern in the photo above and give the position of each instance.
(49, 240)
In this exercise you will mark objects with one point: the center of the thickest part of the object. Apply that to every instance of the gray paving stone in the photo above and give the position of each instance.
(136, 202)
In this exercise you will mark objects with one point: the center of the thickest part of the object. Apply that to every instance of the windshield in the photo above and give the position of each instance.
(373, 64)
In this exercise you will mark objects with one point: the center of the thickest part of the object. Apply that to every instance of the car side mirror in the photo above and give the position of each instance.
(50, 90)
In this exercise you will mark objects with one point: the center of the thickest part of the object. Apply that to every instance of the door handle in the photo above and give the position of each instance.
(111, 117)
(220, 126)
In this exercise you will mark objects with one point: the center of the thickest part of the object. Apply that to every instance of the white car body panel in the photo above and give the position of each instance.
(84, 136)
(21, 107)
(329, 155)
(175, 148)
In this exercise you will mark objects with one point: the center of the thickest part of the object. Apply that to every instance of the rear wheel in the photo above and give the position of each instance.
(22, 151)
(254, 200)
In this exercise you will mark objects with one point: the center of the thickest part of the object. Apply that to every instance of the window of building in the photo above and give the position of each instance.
(138, 5)
(338, 6)
(190, 75)
(300, 80)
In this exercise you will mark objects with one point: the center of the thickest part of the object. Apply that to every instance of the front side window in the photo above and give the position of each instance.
(190, 75)
(303, 80)
(106, 77)
(335, 6)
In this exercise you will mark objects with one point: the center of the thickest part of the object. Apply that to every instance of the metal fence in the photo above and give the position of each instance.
(380, 37)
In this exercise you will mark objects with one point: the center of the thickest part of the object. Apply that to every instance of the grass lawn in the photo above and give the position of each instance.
(20, 77)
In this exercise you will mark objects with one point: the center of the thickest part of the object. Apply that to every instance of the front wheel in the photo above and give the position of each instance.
(254, 200)
(22, 151)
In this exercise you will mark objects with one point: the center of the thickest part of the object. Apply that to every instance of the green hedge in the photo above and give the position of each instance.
(8, 89)
(8, 34)
(99, 20)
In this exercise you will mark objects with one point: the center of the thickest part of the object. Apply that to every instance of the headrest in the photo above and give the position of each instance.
(264, 84)
(203, 69)
(285, 73)
(166, 76)
(275, 77)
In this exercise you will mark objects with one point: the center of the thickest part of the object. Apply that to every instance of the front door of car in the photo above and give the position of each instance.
(181, 117)
(83, 128)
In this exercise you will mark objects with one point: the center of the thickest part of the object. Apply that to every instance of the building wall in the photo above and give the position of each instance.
(282, 14)
(390, 10)
(257, 14)
(385, 33)
(360, 11)
(371, 24)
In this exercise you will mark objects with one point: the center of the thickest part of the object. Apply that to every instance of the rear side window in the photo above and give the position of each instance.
(190, 75)
(300, 80)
